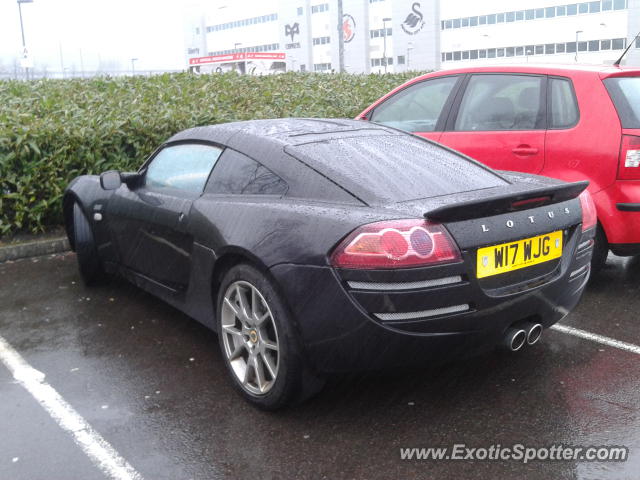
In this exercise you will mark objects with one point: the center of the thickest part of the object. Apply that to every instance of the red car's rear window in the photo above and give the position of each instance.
(625, 93)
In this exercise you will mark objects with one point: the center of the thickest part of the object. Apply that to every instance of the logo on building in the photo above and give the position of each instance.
(414, 21)
(292, 30)
(348, 28)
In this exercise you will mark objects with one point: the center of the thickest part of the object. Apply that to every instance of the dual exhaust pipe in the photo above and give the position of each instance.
(523, 334)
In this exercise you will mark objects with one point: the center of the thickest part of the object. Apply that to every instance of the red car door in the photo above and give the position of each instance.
(420, 108)
(500, 120)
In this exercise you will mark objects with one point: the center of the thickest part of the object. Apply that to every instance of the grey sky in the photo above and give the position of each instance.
(110, 31)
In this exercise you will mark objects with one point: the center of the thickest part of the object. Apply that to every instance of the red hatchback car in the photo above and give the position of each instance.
(568, 122)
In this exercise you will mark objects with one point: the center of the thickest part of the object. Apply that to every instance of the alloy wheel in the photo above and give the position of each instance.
(250, 337)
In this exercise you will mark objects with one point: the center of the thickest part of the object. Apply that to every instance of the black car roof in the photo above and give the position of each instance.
(283, 131)
(373, 162)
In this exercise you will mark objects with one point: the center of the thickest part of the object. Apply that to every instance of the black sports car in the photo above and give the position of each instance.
(316, 246)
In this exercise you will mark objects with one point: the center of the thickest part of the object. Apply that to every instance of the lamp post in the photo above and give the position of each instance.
(24, 43)
(133, 66)
(384, 48)
(578, 32)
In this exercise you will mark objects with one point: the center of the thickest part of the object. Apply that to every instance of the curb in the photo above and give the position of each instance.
(34, 249)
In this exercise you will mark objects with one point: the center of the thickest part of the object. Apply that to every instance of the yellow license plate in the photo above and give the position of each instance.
(507, 257)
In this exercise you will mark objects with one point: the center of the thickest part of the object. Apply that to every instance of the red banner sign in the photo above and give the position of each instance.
(237, 57)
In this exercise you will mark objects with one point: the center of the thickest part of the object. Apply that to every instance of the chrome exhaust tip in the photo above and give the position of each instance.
(534, 333)
(515, 338)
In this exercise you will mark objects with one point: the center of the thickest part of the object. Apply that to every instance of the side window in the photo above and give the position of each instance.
(416, 108)
(185, 167)
(501, 102)
(563, 111)
(238, 174)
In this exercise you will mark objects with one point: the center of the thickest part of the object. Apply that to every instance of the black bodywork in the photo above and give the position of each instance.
(178, 245)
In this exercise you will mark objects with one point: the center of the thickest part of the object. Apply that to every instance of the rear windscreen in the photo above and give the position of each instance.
(625, 93)
(394, 167)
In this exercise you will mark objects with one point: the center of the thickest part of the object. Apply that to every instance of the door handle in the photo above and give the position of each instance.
(525, 150)
(181, 217)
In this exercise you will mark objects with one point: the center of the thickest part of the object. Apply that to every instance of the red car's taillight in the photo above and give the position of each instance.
(396, 244)
(629, 161)
(589, 216)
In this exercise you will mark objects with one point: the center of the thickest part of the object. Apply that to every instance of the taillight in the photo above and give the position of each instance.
(629, 161)
(396, 244)
(589, 216)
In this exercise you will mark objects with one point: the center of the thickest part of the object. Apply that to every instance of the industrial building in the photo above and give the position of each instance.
(399, 35)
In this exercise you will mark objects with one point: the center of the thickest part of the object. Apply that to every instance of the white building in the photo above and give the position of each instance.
(504, 31)
(396, 35)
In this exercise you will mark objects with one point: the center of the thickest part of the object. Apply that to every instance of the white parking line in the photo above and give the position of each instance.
(576, 332)
(91, 442)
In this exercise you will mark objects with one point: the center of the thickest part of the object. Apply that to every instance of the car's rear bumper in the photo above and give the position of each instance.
(335, 309)
(619, 213)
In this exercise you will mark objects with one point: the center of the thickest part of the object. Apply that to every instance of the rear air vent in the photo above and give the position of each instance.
(400, 316)
(395, 286)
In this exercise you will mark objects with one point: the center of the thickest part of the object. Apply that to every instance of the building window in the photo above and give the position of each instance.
(607, 5)
(242, 23)
(560, 47)
(594, 45)
(561, 11)
(300, 11)
(473, 54)
(530, 14)
(380, 32)
(618, 43)
(539, 12)
(379, 62)
(500, 18)
(619, 4)
(583, 7)
(465, 55)
(321, 40)
(519, 51)
(401, 59)
(473, 21)
(520, 15)
(321, 67)
(550, 12)
(550, 49)
(323, 7)
(572, 9)
(510, 51)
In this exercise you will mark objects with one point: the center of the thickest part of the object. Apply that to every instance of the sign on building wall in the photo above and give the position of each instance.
(416, 34)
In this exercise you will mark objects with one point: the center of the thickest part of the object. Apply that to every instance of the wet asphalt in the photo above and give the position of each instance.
(152, 383)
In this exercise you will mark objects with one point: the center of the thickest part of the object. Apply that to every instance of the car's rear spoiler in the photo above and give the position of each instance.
(507, 202)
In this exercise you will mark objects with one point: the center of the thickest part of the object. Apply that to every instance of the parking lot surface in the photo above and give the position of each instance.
(151, 384)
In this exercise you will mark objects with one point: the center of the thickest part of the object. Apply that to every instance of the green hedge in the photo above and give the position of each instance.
(54, 130)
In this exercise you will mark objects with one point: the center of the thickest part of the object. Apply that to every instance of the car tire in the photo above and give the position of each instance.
(600, 251)
(261, 337)
(89, 264)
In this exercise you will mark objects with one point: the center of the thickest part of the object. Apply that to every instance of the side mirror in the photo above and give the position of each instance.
(110, 180)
